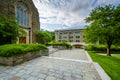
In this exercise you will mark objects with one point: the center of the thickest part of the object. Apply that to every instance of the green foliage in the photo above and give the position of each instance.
(53, 35)
(101, 48)
(69, 46)
(111, 65)
(93, 47)
(44, 37)
(9, 30)
(104, 25)
(18, 49)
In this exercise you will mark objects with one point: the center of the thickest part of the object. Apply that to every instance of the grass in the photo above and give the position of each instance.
(110, 64)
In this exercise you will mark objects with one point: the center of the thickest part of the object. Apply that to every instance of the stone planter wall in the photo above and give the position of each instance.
(17, 59)
(60, 47)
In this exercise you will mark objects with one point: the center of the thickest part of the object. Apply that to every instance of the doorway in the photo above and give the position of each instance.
(22, 39)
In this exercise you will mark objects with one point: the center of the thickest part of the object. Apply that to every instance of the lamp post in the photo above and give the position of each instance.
(29, 29)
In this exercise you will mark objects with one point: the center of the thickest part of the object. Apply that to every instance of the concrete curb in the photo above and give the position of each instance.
(89, 58)
(101, 72)
(99, 69)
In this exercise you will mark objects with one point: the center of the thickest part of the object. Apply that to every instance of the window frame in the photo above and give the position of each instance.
(22, 15)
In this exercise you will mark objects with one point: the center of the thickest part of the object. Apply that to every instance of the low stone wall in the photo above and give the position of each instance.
(17, 59)
(60, 47)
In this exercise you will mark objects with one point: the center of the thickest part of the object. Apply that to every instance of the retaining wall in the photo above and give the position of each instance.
(17, 59)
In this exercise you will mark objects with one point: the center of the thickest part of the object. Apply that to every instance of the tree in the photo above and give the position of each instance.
(43, 37)
(47, 37)
(104, 26)
(53, 35)
(9, 30)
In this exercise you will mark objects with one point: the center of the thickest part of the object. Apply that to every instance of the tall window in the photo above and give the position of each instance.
(57, 33)
(60, 37)
(22, 15)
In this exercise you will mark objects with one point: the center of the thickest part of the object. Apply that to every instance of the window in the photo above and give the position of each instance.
(65, 37)
(77, 32)
(57, 33)
(77, 40)
(70, 36)
(70, 32)
(77, 36)
(60, 37)
(65, 32)
(71, 40)
(22, 14)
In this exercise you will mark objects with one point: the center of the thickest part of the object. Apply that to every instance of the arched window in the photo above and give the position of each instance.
(22, 14)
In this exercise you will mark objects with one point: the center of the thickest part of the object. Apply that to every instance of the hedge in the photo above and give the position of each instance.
(60, 44)
(94, 47)
(17, 49)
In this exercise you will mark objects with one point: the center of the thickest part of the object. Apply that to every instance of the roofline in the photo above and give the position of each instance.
(68, 29)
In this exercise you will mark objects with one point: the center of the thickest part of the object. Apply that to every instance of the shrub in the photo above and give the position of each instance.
(115, 48)
(94, 47)
(9, 30)
(18, 49)
(60, 44)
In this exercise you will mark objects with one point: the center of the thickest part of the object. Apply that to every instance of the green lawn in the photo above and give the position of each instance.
(110, 64)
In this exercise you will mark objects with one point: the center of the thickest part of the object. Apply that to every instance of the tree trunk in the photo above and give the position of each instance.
(109, 43)
(108, 50)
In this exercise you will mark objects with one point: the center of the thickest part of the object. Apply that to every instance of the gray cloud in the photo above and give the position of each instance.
(68, 12)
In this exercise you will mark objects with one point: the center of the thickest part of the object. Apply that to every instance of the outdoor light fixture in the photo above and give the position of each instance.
(29, 29)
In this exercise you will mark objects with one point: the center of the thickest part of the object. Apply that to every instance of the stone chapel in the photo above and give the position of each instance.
(27, 17)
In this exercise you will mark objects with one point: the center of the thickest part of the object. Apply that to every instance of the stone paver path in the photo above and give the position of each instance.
(77, 54)
(58, 66)
(52, 50)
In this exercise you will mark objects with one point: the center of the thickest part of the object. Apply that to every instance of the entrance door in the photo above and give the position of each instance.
(22, 39)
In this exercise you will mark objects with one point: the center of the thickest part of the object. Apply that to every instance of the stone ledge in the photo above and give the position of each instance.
(17, 59)
(101, 72)
(60, 47)
(99, 69)
(89, 58)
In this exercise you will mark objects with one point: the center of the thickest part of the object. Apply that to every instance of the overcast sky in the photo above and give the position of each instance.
(60, 14)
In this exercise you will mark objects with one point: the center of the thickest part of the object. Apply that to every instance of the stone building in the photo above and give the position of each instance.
(26, 14)
(73, 36)
(69, 35)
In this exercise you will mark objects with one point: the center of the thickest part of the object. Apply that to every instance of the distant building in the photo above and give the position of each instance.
(69, 35)
(26, 14)
(74, 36)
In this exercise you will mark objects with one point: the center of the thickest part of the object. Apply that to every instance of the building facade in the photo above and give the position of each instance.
(27, 17)
(69, 35)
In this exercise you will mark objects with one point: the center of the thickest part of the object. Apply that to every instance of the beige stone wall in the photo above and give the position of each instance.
(7, 8)
(67, 34)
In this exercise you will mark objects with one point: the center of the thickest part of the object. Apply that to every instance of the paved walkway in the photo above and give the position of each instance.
(62, 65)
(52, 50)
(77, 54)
